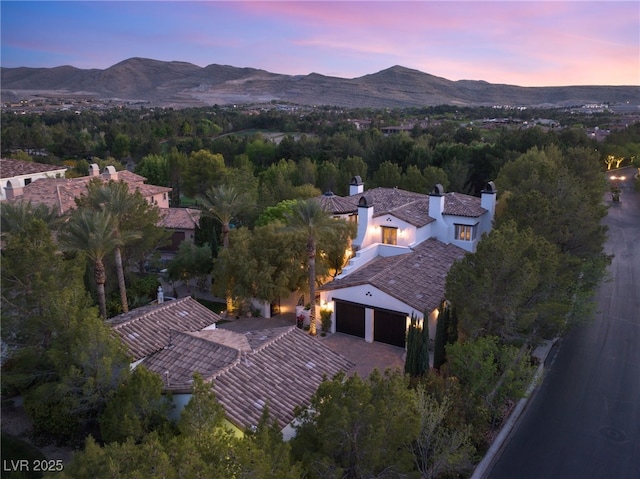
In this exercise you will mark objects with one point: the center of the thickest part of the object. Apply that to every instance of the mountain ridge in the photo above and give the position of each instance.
(183, 84)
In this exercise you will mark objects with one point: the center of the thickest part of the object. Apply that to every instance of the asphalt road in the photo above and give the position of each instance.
(584, 420)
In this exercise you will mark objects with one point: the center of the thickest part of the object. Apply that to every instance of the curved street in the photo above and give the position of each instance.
(584, 420)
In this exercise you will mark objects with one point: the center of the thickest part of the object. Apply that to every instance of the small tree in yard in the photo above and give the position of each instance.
(446, 333)
(439, 449)
(417, 360)
(190, 262)
(441, 338)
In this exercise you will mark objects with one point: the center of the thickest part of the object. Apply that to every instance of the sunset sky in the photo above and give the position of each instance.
(539, 43)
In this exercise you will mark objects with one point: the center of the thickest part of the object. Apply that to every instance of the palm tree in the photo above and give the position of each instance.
(309, 217)
(115, 198)
(92, 233)
(16, 216)
(223, 203)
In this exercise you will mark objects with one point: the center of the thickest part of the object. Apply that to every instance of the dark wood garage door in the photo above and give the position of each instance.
(389, 327)
(350, 318)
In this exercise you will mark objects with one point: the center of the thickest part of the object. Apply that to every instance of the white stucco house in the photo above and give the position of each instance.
(405, 245)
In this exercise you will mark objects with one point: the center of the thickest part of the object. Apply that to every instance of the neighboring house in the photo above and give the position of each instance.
(16, 174)
(279, 367)
(182, 223)
(405, 245)
(60, 193)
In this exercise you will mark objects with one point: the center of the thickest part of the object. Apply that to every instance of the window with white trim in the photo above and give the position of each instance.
(466, 232)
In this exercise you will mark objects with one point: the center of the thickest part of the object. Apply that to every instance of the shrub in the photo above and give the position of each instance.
(325, 320)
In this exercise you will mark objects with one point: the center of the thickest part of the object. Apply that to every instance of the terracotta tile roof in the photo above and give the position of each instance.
(180, 218)
(283, 369)
(386, 200)
(54, 193)
(225, 337)
(415, 213)
(147, 329)
(457, 204)
(10, 168)
(414, 207)
(337, 205)
(186, 354)
(148, 190)
(60, 193)
(416, 278)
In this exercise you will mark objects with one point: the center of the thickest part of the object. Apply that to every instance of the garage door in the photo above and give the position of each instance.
(389, 327)
(350, 318)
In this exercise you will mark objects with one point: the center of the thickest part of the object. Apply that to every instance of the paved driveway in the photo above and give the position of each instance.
(365, 356)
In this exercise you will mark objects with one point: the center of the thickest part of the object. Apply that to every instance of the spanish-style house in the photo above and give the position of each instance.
(60, 193)
(277, 367)
(182, 223)
(55, 191)
(16, 174)
(405, 245)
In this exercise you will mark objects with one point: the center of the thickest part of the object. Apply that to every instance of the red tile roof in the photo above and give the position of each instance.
(457, 204)
(282, 367)
(60, 193)
(180, 218)
(337, 205)
(10, 168)
(416, 278)
(414, 207)
(148, 329)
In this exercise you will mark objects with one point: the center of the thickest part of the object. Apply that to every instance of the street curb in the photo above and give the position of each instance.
(498, 443)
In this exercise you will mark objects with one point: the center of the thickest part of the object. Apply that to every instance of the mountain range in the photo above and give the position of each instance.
(181, 84)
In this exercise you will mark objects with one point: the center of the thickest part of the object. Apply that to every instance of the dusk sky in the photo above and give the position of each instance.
(539, 43)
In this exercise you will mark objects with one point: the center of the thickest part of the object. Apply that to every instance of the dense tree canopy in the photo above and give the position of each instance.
(559, 197)
(523, 284)
(515, 286)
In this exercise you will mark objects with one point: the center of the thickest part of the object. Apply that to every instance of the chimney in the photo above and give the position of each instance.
(436, 202)
(110, 173)
(365, 218)
(356, 186)
(94, 170)
(488, 198)
(11, 191)
(160, 295)
(436, 208)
